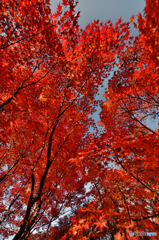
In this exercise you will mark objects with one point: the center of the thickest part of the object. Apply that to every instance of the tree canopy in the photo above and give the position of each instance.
(50, 73)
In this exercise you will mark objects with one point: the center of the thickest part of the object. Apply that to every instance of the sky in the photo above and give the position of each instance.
(104, 10)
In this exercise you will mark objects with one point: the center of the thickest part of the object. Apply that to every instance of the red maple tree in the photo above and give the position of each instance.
(125, 195)
(50, 74)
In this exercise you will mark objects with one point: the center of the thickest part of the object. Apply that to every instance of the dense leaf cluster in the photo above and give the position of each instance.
(50, 72)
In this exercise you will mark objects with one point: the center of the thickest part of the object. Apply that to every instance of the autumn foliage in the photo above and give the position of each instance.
(50, 72)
